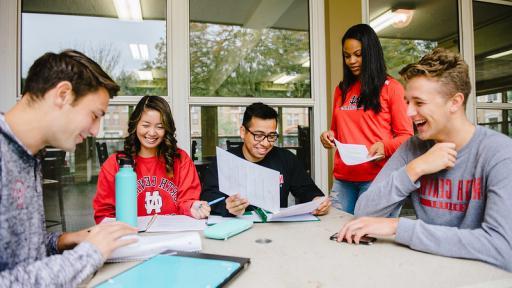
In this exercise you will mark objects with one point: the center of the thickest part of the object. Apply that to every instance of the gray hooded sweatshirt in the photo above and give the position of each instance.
(462, 212)
(28, 254)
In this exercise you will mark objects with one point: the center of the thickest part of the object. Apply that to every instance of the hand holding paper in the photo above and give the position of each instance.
(354, 154)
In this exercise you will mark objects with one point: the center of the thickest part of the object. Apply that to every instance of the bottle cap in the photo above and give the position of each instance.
(124, 160)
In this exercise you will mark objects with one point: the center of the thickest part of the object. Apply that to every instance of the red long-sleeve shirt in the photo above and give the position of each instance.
(156, 192)
(352, 125)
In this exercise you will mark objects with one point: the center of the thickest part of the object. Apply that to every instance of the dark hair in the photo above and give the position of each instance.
(373, 73)
(258, 110)
(83, 73)
(447, 67)
(168, 148)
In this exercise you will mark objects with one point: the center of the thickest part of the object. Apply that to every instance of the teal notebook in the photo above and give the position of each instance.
(177, 271)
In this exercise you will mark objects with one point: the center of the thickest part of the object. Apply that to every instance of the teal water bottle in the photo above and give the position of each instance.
(126, 192)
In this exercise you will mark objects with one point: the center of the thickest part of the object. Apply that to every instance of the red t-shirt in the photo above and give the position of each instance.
(156, 192)
(352, 125)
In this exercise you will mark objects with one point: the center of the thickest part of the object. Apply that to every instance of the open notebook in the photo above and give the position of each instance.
(150, 245)
(180, 270)
(295, 213)
(167, 223)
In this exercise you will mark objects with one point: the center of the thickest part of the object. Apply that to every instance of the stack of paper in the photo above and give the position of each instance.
(151, 245)
(167, 223)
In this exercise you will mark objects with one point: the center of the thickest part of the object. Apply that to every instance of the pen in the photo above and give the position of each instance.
(216, 201)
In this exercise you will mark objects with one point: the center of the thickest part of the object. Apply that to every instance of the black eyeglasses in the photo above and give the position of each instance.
(258, 137)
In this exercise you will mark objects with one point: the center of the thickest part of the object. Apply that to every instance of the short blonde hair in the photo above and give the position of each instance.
(447, 67)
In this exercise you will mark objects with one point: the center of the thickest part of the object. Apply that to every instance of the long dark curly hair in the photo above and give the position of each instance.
(168, 148)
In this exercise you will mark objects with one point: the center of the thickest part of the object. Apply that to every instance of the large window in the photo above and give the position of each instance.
(262, 50)
(130, 48)
(493, 64)
(408, 30)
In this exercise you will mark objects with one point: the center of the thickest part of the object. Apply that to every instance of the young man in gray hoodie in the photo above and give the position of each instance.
(64, 97)
(457, 174)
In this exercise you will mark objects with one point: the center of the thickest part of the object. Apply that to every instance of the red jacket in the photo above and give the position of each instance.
(156, 192)
(351, 125)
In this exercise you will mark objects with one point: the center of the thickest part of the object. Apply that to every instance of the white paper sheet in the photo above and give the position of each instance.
(300, 209)
(354, 154)
(167, 223)
(151, 245)
(259, 185)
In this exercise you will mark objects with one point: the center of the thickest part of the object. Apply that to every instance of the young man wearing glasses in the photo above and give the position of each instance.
(258, 132)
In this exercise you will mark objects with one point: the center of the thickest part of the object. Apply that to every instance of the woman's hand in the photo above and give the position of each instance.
(327, 139)
(200, 209)
(376, 149)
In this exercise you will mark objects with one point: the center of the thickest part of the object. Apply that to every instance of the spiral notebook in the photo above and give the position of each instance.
(183, 269)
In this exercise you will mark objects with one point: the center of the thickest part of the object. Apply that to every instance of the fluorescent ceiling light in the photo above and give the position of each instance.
(145, 75)
(501, 54)
(399, 18)
(128, 10)
(285, 79)
(139, 51)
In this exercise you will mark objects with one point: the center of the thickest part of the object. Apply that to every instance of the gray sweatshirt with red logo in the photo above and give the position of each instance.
(461, 212)
(28, 254)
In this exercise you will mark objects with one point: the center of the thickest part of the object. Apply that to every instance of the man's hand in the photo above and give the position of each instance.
(236, 205)
(357, 228)
(106, 237)
(327, 139)
(200, 209)
(376, 149)
(437, 158)
(323, 208)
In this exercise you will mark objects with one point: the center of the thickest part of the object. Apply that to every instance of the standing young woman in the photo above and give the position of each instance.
(369, 109)
(167, 180)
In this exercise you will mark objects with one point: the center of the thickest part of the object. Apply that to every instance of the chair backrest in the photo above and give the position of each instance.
(194, 150)
(304, 151)
(101, 149)
(233, 144)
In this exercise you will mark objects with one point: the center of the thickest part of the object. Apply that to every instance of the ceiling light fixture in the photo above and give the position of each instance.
(501, 54)
(128, 10)
(399, 18)
(284, 79)
(139, 51)
(145, 75)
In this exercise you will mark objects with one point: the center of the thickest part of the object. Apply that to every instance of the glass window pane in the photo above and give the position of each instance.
(493, 50)
(489, 98)
(262, 50)
(492, 119)
(133, 52)
(217, 125)
(426, 25)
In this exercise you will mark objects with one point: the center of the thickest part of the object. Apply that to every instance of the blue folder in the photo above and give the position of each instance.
(177, 271)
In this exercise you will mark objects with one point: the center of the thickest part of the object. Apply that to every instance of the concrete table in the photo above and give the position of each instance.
(301, 255)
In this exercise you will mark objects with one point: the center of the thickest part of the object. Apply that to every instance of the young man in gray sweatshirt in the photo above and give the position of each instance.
(457, 174)
(64, 97)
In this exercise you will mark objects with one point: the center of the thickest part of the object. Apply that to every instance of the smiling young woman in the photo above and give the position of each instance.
(368, 109)
(167, 181)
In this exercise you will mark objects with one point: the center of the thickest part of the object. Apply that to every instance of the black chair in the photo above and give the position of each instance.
(101, 149)
(194, 150)
(304, 151)
(233, 144)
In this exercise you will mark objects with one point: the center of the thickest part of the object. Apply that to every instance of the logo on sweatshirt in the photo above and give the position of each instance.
(352, 103)
(18, 193)
(446, 194)
(153, 202)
